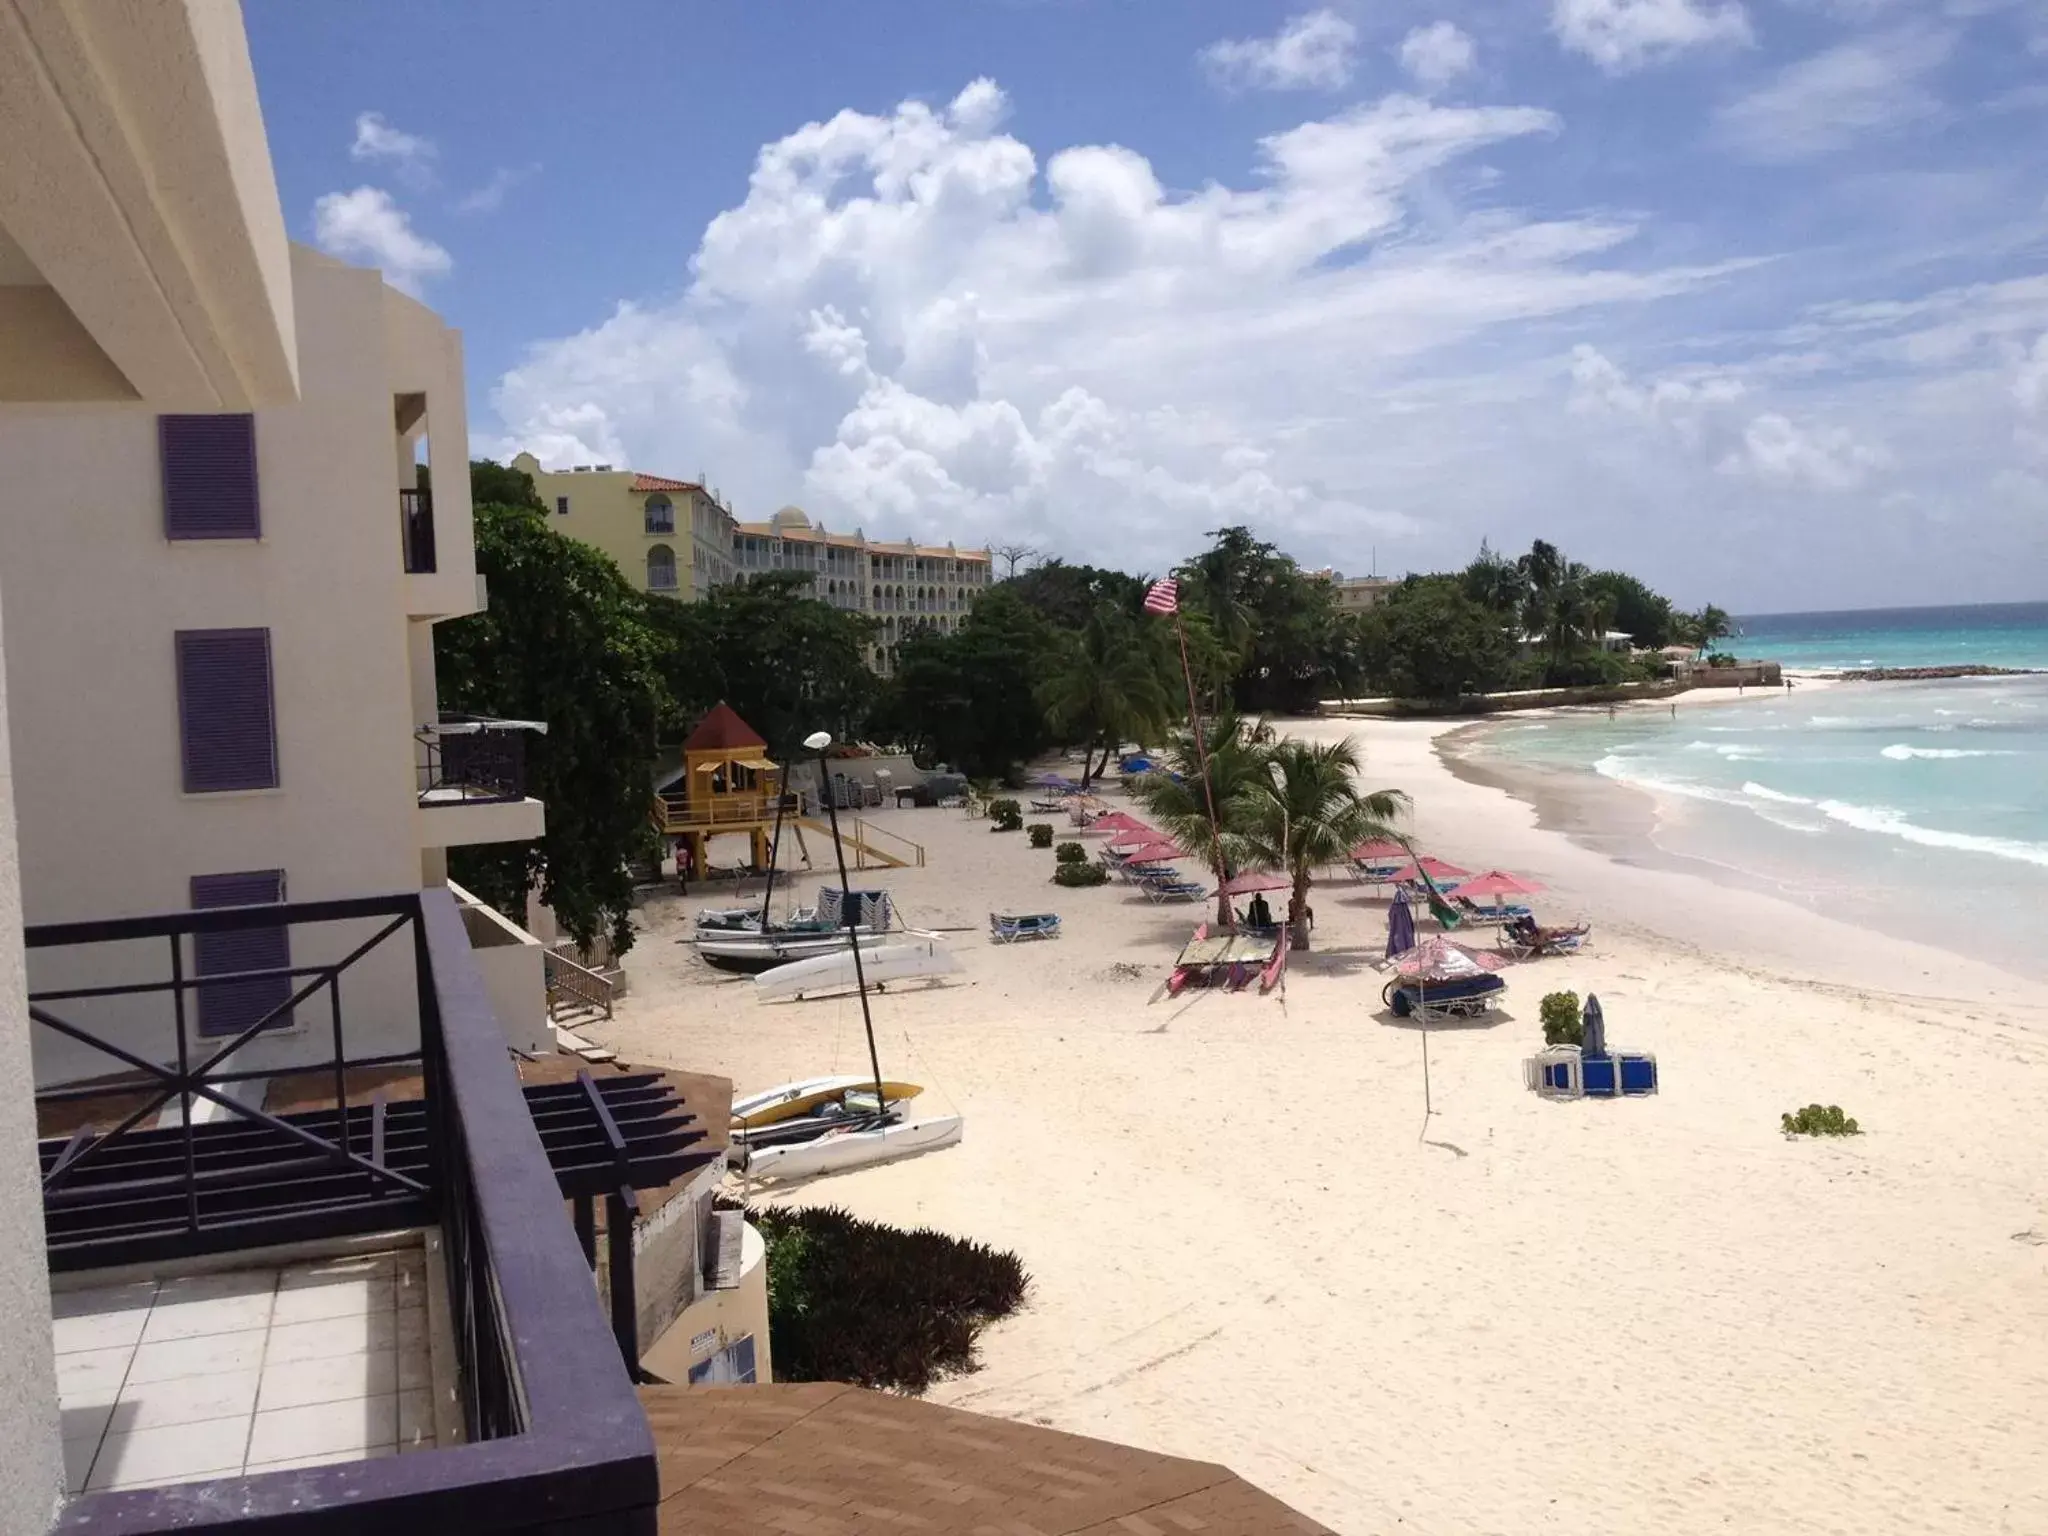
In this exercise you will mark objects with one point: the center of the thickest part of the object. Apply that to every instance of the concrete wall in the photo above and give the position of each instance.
(511, 963)
(94, 592)
(668, 1254)
(32, 1468)
(718, 1319)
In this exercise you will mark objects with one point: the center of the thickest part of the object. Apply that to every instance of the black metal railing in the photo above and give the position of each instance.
(416, 531)
(464, 759)
(556, 1438)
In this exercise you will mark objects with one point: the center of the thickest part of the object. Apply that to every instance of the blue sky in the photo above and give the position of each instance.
(1748, 296)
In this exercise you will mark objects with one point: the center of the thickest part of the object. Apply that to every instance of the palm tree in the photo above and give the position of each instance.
(1105, 688)
(1309, 813)
(1173, 795)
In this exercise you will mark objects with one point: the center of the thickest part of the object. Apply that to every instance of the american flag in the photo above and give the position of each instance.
(1164, 597)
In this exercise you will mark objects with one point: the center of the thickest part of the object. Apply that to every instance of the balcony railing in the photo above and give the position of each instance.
(416, 531)
(470, 760)
(556, 1440)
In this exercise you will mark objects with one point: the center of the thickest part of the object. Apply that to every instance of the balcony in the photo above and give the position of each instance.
(435, 1195)
(416, 531)
(472, 782)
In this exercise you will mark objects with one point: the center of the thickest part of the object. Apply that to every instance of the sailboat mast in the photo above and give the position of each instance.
(867, 1021)
(775, 842)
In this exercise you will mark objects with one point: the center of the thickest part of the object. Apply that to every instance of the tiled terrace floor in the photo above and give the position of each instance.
(245, 1370)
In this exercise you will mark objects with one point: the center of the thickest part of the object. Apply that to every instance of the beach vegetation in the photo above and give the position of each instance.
(1174, 793)
(1429, 639)
(968, 698)
(1106, 683)
(1563, 1023)
(1080, 874)
(1070, 853)
(1819, 1120)
(1040, 833)
(879, 1306)
(1006, 816)
(565, 639)
(1308, 815)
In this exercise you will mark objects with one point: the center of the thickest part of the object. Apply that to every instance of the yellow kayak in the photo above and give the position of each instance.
(792, 1101)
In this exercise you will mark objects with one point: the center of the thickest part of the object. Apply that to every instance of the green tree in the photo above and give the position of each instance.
(1105, 686)
(1069, 595)
(499, 485)
(562, 641)
(1496, 582)
(1427, 640)
(968, 698)
(1291, 643)
(1700, 630)
(1644, 614)
(1309, 814)
(1173, 794)
(787, 662)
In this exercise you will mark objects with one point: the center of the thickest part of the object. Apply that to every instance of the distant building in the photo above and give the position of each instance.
(1355, 594)
(668, 536)
(904, 586)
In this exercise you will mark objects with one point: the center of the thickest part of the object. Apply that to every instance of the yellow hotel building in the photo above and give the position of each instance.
(649, 524)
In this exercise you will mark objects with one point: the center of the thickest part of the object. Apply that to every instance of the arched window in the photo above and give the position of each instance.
(661, 569)
(661, 515)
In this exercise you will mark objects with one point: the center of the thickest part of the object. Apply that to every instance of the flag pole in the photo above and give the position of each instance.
(1202, 758)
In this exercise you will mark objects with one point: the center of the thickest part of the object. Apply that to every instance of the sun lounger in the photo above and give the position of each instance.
(1475, 913)
(1532, 943)
(1048, 807)
(1468, 997)
(1564, 1072)
(1173, 890)
(1005, 928)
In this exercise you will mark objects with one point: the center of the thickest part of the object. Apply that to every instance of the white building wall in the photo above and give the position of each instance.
(94, 594)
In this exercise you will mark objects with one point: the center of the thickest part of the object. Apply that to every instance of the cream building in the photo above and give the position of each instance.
(143, 265)
(1355, 594)
(666, 536)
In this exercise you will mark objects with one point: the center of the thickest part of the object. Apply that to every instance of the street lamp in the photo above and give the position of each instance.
(818, 741)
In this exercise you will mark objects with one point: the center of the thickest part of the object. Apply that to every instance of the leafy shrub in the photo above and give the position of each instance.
(1562, 1022)
(998, 809)
(1070, 853)
(1083, 873)
(1722, 659)
(859, 1301)
(1820, 1120)
(1007, 821)
(1040, 833)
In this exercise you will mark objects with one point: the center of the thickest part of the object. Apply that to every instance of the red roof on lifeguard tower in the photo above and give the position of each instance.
(721, 730)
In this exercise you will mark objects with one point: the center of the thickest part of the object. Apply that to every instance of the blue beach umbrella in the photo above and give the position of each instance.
(1400, 928)
(1594, 1042)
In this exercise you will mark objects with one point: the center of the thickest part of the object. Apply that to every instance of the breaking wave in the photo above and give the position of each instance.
(1880, 819)
(1901, 753)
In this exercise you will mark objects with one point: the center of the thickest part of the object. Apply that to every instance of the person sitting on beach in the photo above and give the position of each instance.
(1256, 913)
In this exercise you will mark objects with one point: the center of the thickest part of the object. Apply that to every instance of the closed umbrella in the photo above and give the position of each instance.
(1400, 928)
(1594, 1041)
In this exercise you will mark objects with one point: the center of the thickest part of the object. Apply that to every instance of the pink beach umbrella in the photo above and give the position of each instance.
(1436, 869)
(1379, 851)
(1117, 821)
(1157, 851)
(1497, 883)
(1442, 959)
(1257, 880)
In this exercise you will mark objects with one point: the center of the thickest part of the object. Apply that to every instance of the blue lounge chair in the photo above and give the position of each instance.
(1468, 997)
(1174, 890)
(1004, 928)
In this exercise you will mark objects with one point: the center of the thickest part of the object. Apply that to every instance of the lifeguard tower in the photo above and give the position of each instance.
(728, 785)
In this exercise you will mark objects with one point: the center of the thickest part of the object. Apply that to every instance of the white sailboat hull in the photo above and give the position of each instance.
(838, 1150)
(833, 972)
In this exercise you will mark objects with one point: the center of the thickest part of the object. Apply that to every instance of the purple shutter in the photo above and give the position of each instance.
(229, 1007)
(209, 471)
(224, 710)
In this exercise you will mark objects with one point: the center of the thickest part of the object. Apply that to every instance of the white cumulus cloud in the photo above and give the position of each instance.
(1313, 51)
(1437, 54)
(377, 141)
(1625, 35)
(367, 226)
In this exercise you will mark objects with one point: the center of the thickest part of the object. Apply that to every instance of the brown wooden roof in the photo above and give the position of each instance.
(831, 1460)
(721, 730)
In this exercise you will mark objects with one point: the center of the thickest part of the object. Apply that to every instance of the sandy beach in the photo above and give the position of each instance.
(1249, 1245)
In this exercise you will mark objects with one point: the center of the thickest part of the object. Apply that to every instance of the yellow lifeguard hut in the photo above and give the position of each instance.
(728, 785)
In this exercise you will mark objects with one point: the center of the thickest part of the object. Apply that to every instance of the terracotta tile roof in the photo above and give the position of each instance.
(720, 730)
(656, 483)
(839, 1461)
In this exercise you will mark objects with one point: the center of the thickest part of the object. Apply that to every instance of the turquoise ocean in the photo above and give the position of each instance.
(1911, 807)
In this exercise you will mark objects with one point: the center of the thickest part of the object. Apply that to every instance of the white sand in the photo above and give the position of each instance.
(1248, 1246)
